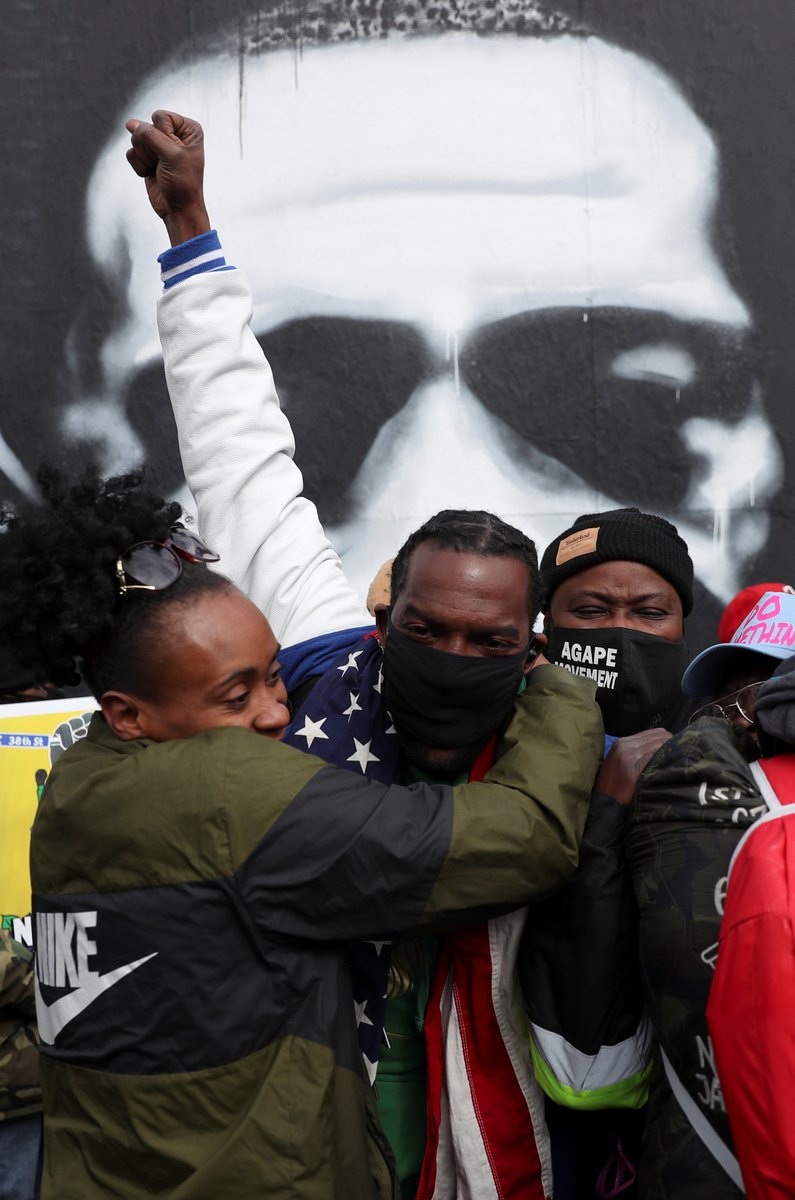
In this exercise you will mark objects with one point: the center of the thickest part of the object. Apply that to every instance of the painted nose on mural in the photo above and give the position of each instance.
(442, 450)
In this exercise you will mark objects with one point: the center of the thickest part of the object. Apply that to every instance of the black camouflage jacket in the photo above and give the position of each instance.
(692, 806)
(20, 1093)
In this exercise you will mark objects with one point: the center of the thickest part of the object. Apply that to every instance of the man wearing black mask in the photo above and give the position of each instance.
(425, 699)
(618, 586)
(446, 707)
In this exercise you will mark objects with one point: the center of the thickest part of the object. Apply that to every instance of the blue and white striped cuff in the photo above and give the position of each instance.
(200, 254)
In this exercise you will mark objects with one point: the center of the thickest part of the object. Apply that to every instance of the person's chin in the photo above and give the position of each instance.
(440, 763)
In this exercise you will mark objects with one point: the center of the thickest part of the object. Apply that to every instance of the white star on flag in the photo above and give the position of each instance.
(353, 707)
(372, 1069)
(362, 755)
(311, 730)
(379, 681)
(361, 1016)
(351, 664)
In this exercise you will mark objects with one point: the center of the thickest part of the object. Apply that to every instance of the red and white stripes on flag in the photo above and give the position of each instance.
(487, 1135)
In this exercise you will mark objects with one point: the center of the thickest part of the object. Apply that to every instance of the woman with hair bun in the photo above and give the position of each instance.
(195, 886)
(103, 579)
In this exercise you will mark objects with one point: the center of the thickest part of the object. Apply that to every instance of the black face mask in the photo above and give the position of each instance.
(637, 675)
(447, 700)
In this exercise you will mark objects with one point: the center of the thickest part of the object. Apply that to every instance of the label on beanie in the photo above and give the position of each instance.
(581, 542)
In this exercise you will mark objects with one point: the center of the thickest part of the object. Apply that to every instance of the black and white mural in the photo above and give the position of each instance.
(503, 255)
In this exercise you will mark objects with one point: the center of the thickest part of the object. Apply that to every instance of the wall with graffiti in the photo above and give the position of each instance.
(503, 255)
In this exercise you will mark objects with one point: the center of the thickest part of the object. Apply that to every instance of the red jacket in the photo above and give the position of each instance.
(751, 1011)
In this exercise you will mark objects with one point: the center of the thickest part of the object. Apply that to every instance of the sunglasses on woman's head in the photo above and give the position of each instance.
(154, 566)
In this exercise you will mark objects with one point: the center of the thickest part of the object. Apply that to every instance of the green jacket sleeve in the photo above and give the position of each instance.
(346, 857)
(516, 837)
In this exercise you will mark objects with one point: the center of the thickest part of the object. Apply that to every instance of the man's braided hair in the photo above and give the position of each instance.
(472, 531)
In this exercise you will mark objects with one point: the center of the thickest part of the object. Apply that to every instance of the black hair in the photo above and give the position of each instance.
(326, 22)
(472, 531)
(60, 605)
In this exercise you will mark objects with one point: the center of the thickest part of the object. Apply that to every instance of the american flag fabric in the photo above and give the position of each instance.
(487, 1136)
(487, 1132)
(344, 722)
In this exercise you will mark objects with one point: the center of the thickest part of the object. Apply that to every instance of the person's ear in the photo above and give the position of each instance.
(123, 713)
(381, 614)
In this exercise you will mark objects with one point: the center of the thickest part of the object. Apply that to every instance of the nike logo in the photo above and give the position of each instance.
(53, 1018)
(64, 944)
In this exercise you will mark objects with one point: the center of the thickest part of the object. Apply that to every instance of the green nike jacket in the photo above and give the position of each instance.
(192, 901)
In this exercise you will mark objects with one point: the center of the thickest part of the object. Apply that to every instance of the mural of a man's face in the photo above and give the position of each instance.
(484, 276)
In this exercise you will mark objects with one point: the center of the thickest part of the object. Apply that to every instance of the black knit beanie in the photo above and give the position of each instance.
(623, 534)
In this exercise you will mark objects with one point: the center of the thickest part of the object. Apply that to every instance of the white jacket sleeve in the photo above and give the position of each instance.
(237, 453)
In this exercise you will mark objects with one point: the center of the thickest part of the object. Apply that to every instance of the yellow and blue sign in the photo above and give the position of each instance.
(32, 738)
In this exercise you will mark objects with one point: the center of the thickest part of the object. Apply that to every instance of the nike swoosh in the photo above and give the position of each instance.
(53, 1018)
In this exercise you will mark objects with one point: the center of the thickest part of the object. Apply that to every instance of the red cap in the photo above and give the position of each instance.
(738, 609)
